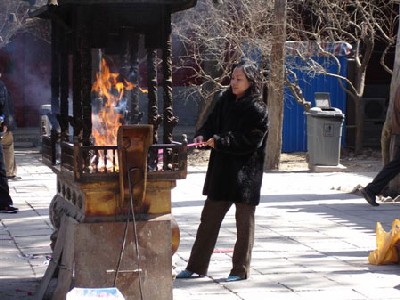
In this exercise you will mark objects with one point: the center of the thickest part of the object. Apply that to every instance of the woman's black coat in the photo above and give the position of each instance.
(235, 168)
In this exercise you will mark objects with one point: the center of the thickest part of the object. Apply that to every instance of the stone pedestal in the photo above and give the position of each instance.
(105, 254)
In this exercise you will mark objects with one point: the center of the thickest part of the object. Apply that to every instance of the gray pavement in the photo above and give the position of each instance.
(24, 237)
(312, 238)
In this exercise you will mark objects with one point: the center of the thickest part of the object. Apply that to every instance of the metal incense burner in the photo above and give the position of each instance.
(112, 212)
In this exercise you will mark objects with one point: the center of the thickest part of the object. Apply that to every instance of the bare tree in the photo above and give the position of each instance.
(276, 84)
(14, 17)
(217, 34)
(360, 23)
(386, 139)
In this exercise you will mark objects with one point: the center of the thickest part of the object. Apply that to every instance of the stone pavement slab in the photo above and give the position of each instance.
(24, 237)
(312, 238)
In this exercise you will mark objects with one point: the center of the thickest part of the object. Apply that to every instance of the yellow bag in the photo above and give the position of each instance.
(386, 252)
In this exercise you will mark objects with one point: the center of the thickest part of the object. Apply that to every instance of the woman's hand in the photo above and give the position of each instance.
(210, 142)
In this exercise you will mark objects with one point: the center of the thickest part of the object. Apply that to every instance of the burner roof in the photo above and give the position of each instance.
(176, 5)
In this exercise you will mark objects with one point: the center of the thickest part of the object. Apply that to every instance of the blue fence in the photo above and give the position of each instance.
(294, 135)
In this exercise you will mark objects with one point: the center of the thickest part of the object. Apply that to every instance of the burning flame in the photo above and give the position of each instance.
(109, 108)
(110, 98)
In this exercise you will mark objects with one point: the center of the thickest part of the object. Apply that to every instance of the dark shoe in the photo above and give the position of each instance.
(232, 278)
(371, 198)
(14, 177)
(9, 209)
(185, 274)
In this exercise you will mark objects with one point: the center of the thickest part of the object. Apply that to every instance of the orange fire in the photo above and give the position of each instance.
(110, 93)
(110, 105)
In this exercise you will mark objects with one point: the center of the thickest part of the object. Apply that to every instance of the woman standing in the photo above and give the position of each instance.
(236, 130)
(6, 203)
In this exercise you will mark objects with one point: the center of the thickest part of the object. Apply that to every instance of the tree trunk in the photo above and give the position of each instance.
(394, 185)
(358, 108)
(361, 63)
(206, 108)
(211, 67)
(276, 88)
(359, 120)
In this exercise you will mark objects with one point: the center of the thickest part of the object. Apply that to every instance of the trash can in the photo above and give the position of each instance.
(324, 133)
(45, 125)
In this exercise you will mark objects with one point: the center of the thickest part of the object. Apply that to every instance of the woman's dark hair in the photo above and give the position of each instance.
(252, 74)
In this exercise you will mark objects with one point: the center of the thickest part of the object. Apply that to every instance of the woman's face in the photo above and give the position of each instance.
(239, 82)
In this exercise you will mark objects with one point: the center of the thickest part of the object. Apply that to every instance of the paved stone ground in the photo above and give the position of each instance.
(312, 241)
(312, 238)
(24, 237)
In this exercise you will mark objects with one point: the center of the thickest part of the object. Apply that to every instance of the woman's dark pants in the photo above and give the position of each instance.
(210, 223)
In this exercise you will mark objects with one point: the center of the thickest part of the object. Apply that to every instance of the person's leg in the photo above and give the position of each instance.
(389, 171)
(13, 164)
(207, 233)
(245, 240)
(5, 199)
(9, 155)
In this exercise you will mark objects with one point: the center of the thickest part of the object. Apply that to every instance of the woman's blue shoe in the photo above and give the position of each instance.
(233, 278)
(184, 274)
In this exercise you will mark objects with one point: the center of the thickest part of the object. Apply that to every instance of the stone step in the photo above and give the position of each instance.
(27, 137)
